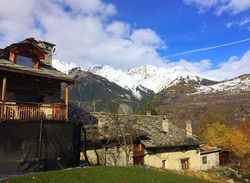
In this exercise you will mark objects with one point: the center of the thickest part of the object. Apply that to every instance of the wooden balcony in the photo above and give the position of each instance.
(32, 111)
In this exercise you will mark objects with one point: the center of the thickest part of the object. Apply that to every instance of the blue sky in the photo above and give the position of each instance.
(128, 33)
(183, 28)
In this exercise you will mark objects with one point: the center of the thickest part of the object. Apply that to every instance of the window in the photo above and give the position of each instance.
(204, 160)
(185, 164)
(25, 61)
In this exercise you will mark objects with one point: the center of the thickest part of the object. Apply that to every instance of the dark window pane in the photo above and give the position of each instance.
(28, 98)
(25, 61)
(204, 160)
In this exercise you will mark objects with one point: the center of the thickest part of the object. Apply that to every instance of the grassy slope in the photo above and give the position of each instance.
(104, 175)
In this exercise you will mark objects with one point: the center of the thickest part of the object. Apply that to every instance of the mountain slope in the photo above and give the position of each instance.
(93, 87)
(188, 101)
(238, 84)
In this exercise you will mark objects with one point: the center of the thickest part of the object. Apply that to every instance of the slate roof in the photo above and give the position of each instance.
(43, 71)
(158, 138)
(150, 127)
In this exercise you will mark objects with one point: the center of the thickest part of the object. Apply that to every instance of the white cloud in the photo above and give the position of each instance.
(85, 33)
(233, 6)
(92, 7)
(229, 24)
(16, 17)
(195, 67)
(220, 6)
(232, 68)
(146, 37)
(119, 29)
(244, 22)
(203, 5)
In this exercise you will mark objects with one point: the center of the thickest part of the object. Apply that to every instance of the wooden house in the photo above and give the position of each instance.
(35, 132)
(30, 87)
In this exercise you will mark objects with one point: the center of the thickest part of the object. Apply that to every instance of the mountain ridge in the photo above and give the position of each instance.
(143, 79)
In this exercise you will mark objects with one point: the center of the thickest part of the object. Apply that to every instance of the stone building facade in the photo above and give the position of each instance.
(158, 143)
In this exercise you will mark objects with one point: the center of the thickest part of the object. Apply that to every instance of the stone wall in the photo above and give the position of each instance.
(172, 159)
(112, 157)
(48, 48)
(212, 160)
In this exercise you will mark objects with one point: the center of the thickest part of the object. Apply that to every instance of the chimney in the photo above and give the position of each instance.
(165, 124)
(189, 127)
(148, 112)
(49, 49)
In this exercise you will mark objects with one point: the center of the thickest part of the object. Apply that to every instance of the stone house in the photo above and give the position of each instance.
(210, 156)
(158, 143)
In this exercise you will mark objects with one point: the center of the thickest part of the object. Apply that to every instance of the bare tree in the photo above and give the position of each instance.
(121, 129)
(94, 138)
(114, 135)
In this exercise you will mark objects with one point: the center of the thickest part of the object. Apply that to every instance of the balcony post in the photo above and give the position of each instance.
(66, 102)
(4, 88)
(3, 107)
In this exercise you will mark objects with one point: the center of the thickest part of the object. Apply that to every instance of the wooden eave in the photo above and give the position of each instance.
(26, 50)
(63, 79)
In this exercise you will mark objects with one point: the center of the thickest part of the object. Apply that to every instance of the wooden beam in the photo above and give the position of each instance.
(67, 102)
(13, 57)
(4, 88)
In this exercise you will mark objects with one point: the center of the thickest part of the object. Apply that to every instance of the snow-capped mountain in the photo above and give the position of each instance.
(117, 76)
(63, 66)
(147, 77)
(236, 85)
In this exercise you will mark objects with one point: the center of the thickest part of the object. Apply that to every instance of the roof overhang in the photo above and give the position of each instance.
(37, 73)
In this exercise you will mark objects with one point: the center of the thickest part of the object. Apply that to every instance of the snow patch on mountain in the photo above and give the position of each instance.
(235, 85)
(119, 77)
(146, 76)
(63, 66)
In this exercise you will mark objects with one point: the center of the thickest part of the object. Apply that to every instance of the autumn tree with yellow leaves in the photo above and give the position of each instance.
(244, 127)
(216, 132)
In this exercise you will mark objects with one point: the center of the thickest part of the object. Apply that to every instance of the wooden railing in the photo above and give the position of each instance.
(10, 111)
